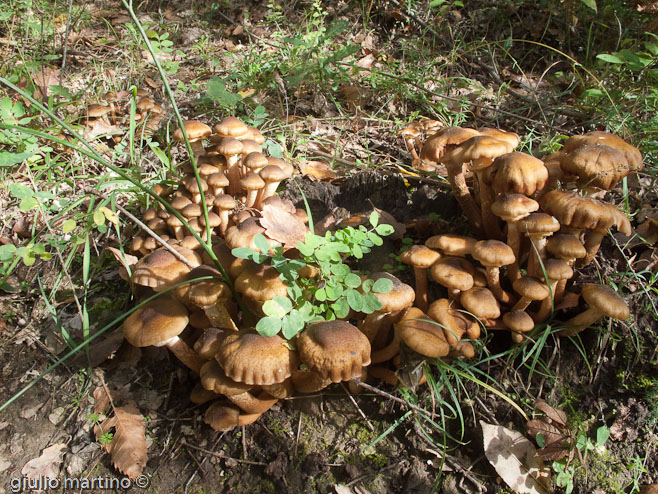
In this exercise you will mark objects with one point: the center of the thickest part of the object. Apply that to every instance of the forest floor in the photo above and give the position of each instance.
(337, 122)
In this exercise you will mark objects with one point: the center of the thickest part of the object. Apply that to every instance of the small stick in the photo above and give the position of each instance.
(363, 415)
(390, 396)
(220, 455)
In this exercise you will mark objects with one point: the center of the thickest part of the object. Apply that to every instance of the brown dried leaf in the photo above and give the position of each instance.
(128, 445)
(101, 400)
(317, 170)
(282, 226)
(101, 128)
(515, 459)
(551, 433)
(554, 452)
(43, 79)
(555, 414)
(46, 465)
(649, 489)
(100, 350)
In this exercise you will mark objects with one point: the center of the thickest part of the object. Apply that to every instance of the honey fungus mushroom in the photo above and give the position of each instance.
(603, 301)
(335, 350)
(158, 323)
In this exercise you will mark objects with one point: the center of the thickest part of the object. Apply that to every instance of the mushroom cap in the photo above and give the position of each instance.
(518, 173)
(539, 224)
(481, 150)
(213, 379)
(255, 160)
(155, 322)
(419, 256)
(204, 292)
(584, 213)
(195, 131)
(566, 246)
(252, 181)
(272, 173)
(229, 146)
(596, 165)
(531, 288)
(503, 135)
(96, 111)
(451, 244)
(251, 358)
(217, 179)
(481, 303)
(230, 127)
(249, 146)
(514, 207)
(630, 152)
(493, 253)
(243, 234)
(437, 148)
(606, 300)
(454, 323)
(335, 350)
(453, 272)
(557, 269)
(221, 416)
(160, 268)
(213, 219)
(224, 201)
(422, 334)
(260, 282)
(518, 321)
(400, 297)
(287, 168)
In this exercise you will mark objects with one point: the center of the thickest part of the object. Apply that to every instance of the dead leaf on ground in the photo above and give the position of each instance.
(282, 226)
(101, 128)
(515, 459)
(128, 445)
(100, 350)
(43, 79)
(317, 170)
(555, 414)
(46, 465)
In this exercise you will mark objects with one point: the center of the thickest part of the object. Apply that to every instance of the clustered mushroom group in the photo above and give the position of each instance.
(513, 277)
(111, 114)
(533, 221)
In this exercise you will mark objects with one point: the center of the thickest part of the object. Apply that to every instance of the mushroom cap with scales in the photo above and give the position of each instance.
(335, 350)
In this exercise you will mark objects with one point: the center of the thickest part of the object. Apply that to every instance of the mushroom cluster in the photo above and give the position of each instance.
(111, 114)
(533, 220)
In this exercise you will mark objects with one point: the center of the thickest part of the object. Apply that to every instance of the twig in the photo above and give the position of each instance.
(363, 415)
(139, 223)
(390, 396)
(221, 455)
(365, 476)
(66, 41)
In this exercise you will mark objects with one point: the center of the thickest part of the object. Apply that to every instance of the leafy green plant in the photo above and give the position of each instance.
(333, 292)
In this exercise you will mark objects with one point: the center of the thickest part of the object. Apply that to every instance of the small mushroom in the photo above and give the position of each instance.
(421, 258)
(602, 301)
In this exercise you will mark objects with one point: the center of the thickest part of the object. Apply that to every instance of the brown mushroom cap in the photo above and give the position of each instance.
(530, 288)
(565, 246)
(422, 334)
(630, 152)
(260, 282)
(454, 323)
(334, 349)
(231, 127)
(195, 131)
(481, 303)
(514, 207)
(436, 148)
(213, 379)
(451, 244)
(596, 166)
(481, 150)
(155, 322)
(606, 300)
(400, 296)
(419, 256)
(160, 268)
(518, 173)
(251, 358)
(493, 253)
(503, 135)
(204, 292)
(518, 321)
(453, 272)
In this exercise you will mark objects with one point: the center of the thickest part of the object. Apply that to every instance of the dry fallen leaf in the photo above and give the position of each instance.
(515, 459)
(317, 170)
(555, 414)
(46, 465)
(128, 445)
(282, 226)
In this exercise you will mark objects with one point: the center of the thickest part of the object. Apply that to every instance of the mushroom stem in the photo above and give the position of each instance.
(487, 197)
(514, 241)
(384, 374)
(592, 244)
(463, 196)
(582, 321)
(219, 316)
(548, 304)
(184, 353)
(388, 352)
(493, 280)
(422, 301)
(233, 174)
(251, 404)
(537, 255)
